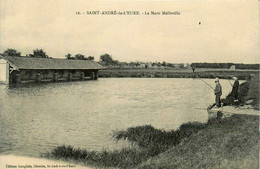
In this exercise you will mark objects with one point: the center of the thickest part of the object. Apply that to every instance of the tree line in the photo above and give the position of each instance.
(79, 57)
(37, 53)
(225, 65)
(107, 60)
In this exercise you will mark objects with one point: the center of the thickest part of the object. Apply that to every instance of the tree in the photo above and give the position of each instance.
(164, 63)
(69, 56)
(79, 56)
(106, 59)
(90, 58)
(170, 65)
(181, 65)
(11, 52)
(38, 53)
(115, 62)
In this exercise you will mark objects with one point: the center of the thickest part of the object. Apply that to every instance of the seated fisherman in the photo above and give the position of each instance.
(234, 92)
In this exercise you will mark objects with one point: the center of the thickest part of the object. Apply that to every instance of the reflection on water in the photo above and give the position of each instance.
(36, 118)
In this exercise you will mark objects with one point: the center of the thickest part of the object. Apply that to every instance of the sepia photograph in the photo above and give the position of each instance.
(111, 84)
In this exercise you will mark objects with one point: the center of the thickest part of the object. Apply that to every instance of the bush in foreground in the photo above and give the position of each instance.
(181, 148)
(230, 144)
(150, 142)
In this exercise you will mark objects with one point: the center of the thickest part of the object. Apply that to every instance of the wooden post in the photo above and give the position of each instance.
(69, 76)
(55, 77)
(38, 77)
(82, 76)
(96, 75)
(92, 75)
(17, 78)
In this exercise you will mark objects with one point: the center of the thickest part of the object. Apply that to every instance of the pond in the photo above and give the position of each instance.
(35, 118)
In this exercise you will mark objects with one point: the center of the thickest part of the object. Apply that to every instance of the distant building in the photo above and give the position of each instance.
(233, 67)
(176, 66)
(142, 65)
(27, 69)
(123, 64)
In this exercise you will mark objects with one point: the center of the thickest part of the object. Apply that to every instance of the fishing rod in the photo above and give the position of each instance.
(207, 84)
(223, 72)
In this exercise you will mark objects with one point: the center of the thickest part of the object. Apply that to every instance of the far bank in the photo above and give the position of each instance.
(176, 73)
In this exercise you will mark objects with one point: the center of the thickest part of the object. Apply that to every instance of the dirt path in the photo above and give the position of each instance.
(240, 110)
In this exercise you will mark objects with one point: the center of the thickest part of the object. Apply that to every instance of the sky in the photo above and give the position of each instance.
(205, 31)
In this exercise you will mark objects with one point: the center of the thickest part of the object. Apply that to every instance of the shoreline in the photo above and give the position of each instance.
(221, 142)
(175, 73)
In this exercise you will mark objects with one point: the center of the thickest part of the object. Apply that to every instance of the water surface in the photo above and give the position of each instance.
(36, 118)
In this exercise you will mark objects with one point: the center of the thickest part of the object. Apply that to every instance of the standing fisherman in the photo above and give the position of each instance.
(218, 92)
(193, 69)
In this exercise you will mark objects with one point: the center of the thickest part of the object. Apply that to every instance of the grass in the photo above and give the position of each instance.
(148, 140)
(230, 143)
(155, 140)
(107, 159)
(218, 143)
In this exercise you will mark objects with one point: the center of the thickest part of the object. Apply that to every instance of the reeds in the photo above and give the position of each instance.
(149, 143)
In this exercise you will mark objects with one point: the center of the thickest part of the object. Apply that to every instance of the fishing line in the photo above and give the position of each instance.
(223, 72)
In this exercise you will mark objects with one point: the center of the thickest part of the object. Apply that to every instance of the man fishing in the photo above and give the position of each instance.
(234, 92)
(218, 92)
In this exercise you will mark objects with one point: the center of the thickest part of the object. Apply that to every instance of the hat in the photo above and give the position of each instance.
(217, 80)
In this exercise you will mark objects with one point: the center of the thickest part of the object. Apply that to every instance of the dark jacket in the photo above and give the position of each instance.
(235, 87)
(218, 90)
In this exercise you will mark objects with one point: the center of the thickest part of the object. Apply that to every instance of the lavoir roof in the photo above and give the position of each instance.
(50, 63)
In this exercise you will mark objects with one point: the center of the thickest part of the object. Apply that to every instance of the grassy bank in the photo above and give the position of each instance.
(218, 143)
(176, 73)
(232, 143)
(148, 142)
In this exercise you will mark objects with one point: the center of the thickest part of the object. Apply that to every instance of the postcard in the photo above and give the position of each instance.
(129, 84)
